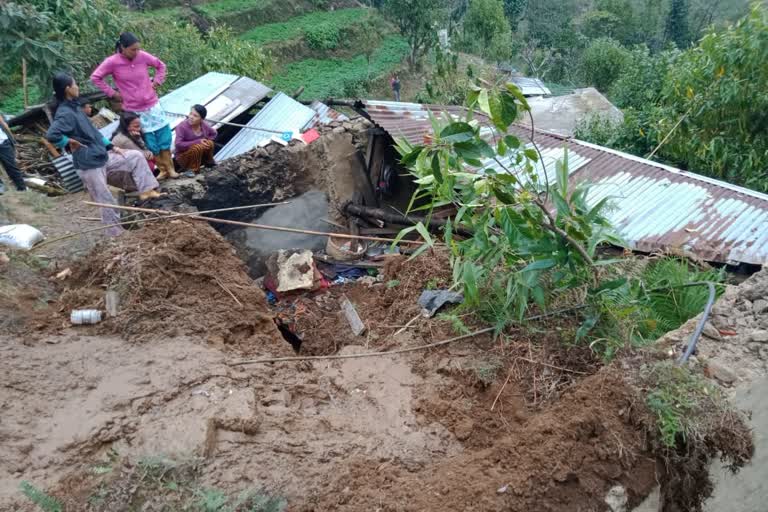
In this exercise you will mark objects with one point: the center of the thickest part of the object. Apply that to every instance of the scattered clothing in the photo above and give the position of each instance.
(432, 300)
(132, 79)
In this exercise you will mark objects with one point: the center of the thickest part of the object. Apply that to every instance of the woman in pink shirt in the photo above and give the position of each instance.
(194, 141)
(129, 68)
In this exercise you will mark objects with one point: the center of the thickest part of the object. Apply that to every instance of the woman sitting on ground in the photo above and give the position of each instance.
(194, 141)
(128, 136)
(94, 155)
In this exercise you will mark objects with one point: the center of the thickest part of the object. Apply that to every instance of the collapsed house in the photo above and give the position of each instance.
(656, 208)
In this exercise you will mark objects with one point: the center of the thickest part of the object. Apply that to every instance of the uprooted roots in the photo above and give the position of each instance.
(172, 278)
(693, 425)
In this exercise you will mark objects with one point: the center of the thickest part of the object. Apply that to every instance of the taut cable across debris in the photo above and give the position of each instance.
(197, 216)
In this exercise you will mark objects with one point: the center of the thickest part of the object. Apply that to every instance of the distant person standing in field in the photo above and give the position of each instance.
(395, 84)
(129, 68)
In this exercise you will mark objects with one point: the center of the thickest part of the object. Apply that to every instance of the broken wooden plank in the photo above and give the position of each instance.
(353, 318)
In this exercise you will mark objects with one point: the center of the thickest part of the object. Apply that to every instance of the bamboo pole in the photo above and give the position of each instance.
(256, 226)
(24, 82)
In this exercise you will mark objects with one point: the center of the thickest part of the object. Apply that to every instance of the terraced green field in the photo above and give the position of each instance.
(295, 27)
(228, 6)
(328, 77)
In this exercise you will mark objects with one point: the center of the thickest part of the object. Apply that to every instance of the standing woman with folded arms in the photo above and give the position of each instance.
(93, 154)
(129, 68)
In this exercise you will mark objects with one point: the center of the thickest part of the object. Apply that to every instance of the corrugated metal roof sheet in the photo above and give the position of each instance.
(657, 208)
(224, 96)
(281, 114)
(325, 114)
(530, 86)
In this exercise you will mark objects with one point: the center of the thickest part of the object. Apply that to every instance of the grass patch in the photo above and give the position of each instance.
(162, 12)
(38, 202)
(677, 398)
(296, 27)
(13, 102)
(172, 484)
(229, 6)
(323, 78)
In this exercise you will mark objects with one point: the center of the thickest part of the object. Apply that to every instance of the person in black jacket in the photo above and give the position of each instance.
(8, 157)
(93, 154)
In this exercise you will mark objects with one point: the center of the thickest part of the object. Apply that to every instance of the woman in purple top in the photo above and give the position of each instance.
(194, 140)
(129, 68)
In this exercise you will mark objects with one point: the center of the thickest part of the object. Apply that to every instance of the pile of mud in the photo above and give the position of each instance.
(174, 278)
(565, 458)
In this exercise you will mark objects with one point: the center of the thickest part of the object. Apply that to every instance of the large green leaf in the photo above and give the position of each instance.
(457, 132)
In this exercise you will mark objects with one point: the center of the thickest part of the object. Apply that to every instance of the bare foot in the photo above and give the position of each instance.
(150, 194)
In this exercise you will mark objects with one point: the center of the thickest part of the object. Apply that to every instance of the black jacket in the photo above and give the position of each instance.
(71, 123)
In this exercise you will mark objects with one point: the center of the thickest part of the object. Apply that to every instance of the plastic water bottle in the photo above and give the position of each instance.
(85, 316)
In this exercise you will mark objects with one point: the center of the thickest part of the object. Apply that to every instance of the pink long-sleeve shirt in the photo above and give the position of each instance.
(131, 78)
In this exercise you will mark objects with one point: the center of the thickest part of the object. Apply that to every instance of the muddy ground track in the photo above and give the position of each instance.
(327, 435)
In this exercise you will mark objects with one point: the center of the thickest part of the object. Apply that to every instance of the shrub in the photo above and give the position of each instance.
(322, 37)
(603, 62)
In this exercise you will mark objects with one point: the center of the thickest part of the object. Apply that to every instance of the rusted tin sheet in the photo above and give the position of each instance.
(656, 208)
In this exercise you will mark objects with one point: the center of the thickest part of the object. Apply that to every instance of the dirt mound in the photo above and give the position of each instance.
(565, 458)
(174, 278)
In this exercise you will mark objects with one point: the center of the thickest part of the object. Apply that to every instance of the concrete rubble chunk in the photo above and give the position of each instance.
(721, 372)
(759, 336)
(711, 332)
(295, 272)
(617, 499)
(760, 306)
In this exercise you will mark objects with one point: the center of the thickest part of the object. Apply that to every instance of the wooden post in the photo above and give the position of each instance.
(24, 81)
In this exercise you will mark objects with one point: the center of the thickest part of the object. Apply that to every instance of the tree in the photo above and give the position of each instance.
(25, 43)
(418, 21)
(549, 23)
(513, 10)
(677, 29)
(709, 113)
(603, 62)
(534, 234)
(718, 90)
(486, 30)
(642, 78)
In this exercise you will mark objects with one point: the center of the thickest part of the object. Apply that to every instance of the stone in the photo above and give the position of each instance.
(759, 336)
(721, 372)
(4, 259)
(711, 332)
(338, 129)
(759, 306)
(617, 499)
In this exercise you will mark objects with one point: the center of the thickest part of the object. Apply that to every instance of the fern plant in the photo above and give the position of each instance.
(635, 311)
(37, 496)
